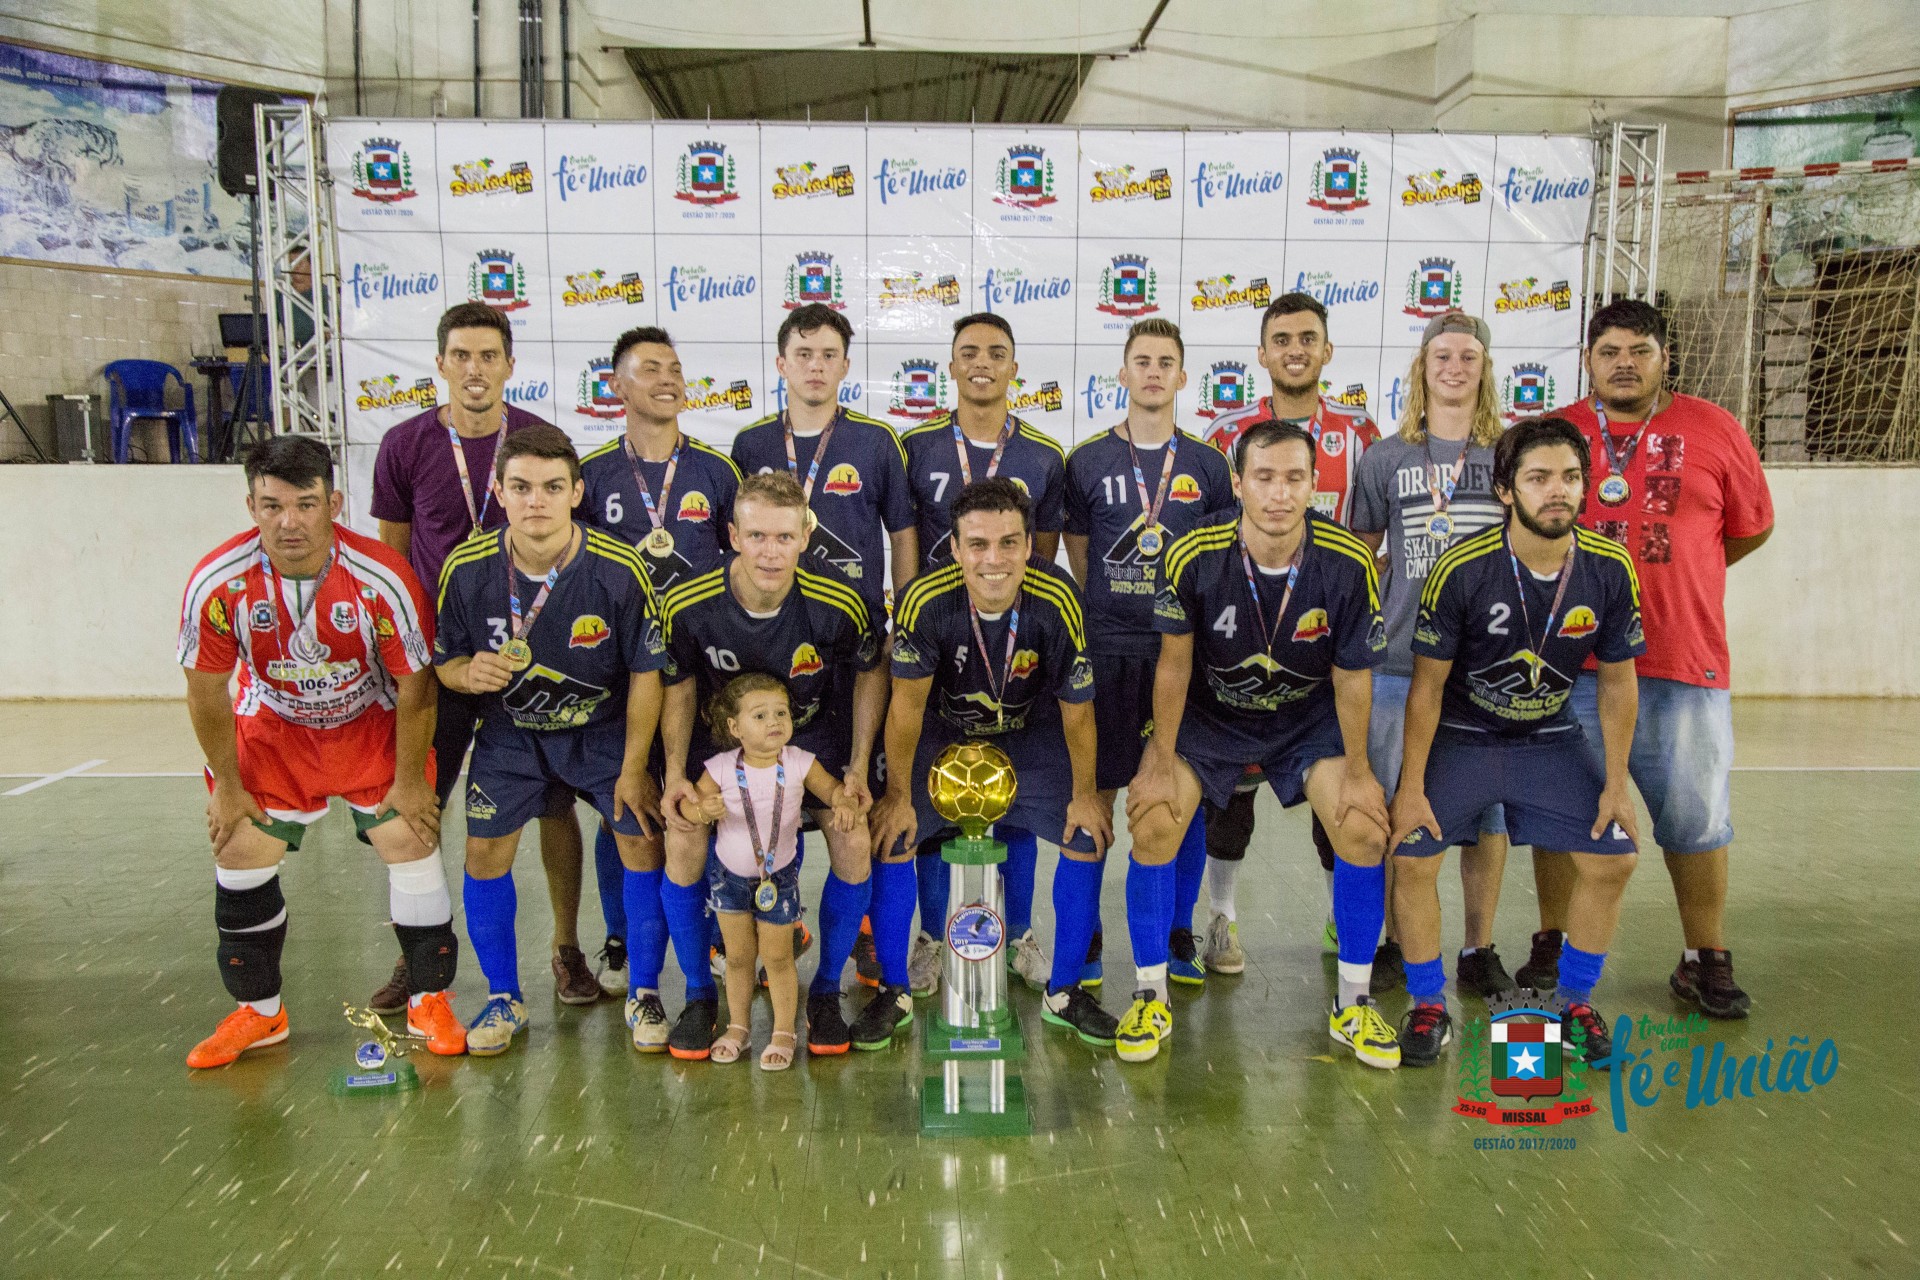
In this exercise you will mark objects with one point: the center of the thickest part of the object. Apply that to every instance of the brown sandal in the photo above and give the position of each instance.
(776, 1056)
(727, 1049)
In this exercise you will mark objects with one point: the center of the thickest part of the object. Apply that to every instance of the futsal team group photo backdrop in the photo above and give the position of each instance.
(577, 231)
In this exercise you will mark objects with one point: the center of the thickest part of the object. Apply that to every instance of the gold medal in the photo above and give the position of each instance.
(1151, 541)
(765, 896)
(517, 654)
(659, 543)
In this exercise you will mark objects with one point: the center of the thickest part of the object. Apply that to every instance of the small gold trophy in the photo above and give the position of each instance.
(972, 784)
(379, 1065)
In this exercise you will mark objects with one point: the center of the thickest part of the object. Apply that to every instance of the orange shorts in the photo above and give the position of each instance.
(291, 771)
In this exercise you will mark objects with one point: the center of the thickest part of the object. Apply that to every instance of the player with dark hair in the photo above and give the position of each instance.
(1132, 490)
(331, 632)
(431, 490)
(809, 629)
(670, 497)
(1507, 619)
(1683, 492)
(993, 648)
(1294, 350)
(1270, 625)
(553, 627)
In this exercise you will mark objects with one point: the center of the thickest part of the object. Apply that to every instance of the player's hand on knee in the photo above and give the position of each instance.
(488, 672)
(855, 782)
(1362, 797)
(1152, 785)
(890, 820)
(1617, 806)
(1086, 813)
(681, 805)
(1412, 813)
(635, 793)
(228, 810)
(417, 806)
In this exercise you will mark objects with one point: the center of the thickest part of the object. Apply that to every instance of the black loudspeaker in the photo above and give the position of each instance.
(233, 118)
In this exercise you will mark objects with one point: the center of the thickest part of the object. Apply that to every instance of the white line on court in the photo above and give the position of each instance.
(39, 782)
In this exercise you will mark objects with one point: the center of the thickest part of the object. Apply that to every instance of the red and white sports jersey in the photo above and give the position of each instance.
(1345, 432)
(370, 623)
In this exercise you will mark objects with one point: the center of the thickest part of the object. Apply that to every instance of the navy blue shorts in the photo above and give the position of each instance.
(729, 892)
(1040, 763)
(512, 771)
(1122, 714)
(1549, 784)
(1285, 768)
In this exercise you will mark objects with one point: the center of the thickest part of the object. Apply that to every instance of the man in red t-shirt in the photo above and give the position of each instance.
(1678, 483)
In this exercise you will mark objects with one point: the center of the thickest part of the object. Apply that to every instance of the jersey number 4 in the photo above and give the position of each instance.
(1226, 624)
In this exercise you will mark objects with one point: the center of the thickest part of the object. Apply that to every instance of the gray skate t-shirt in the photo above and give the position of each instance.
(1390, 496)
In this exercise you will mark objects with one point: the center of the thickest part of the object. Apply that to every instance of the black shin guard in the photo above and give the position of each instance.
(1230, 829)
(249, 954)
(432, 954)
(1322, 844)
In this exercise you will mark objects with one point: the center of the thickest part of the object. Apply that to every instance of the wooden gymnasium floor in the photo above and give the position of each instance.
(1248, 1149)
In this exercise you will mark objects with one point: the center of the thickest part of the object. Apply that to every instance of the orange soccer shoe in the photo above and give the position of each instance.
(433, 1020)
(239, 1031)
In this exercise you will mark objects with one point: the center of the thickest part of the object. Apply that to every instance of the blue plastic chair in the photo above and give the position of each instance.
(138, 389)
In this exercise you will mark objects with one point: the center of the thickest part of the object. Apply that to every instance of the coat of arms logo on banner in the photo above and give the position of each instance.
(478, 178)
(383, 172)
(1525, 391)
(707, 175)
(595, 395)
(1025, 177)
(919, 390)
(1434, 288)
(493, 277)
(813, 278)
(1224, 388)
(1128, 287)
(1338, 182)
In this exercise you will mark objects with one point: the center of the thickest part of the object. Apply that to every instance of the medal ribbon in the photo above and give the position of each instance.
(521, 628)
(1559, 596)
(764, 854)
(819, 452)
(655, 516)
(1006, 670)
(476, 514)
(1618, 460)
(306, 610)
(993, 463)
(1150, 510)
(1253, 585)
(1441, 481)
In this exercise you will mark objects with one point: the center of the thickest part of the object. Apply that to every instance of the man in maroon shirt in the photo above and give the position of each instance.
(1677, 482)
(431, 490)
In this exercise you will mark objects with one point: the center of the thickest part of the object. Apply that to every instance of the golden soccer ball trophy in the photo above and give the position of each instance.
(972, 785)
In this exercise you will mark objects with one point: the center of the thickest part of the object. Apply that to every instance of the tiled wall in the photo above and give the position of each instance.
(59, 328)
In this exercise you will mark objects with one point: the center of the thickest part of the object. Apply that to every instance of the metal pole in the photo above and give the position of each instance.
(1755, 249)
(359, 100)
(476, 59)
(566, 60)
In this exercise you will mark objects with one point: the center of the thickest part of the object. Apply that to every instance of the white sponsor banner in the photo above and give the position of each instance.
(1223, 288)
(812, 181)
(1532, 293)
(1542, 188)
(1029, 281)
(391, 286)
(384, 175)
(600, 286)
(908, 384)
(829, 271)
(918, 286)
(492, 177)
(386, 383)
(1122, 281)
(706, 178)
(726, 389)
(920, 182)
(711, 289)
(1425, 279)
(1532, 381)
(1236, 186)
(1349, 279)
(1440, 189)
(533, 386)
(585, 404)
(1342, 186)
(1024, 181)
(1042, 391)
(1130, 184)
(508, 272)
(600, 178)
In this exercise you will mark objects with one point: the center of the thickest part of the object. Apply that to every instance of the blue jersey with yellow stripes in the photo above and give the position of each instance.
(599, 627)
(1032, 459)
(860, 493)
(1246, 693)
(933, 637)
(698, 507)
(1513, 666)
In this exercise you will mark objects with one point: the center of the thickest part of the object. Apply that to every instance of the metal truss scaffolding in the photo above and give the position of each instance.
(295, 257)
(1623, 250)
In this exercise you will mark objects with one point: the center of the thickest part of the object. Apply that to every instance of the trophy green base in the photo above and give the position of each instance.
(394, 1077)
(975, 1117)
(966, 1103)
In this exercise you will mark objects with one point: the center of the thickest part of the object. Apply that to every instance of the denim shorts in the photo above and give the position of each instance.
(729, 892)
(1387, 743)
(1681, 758)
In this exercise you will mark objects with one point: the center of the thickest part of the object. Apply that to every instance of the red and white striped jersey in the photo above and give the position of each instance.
(312, 662)
(1345, 432)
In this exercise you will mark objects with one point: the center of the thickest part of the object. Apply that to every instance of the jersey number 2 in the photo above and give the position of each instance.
(1497, 624)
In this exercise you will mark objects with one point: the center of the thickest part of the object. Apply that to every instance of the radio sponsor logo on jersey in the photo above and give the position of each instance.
(590, 631)
(911, 288)
(1434, 288)
(904, 176)
(1338, 182)
(919, 390)
(807, 181)
(695, 285)
(1526, 390)
(1025, 663)
(1011, 286)
(1331, 291)
(706, 175)
(695, 507)
(812, 278)
(1226, 293)
(843, 479)
(483, 177)
(345, 618)
(597, 288)
(1129, 287)
(590, 175)
(1531, 186)
(371, 282)
(1024, 177)
(383, 172)
(1224, 388)
(1184, 488)
(1103, 394)
(704, 395)
(1580, 622)
(806, 662)
(385, 392)
(1045, 398)
(1312, 626)
(493, 277)
(1223, 180)
(594, 395)
(1517, 296)
(1124, 182)
(1435, 187)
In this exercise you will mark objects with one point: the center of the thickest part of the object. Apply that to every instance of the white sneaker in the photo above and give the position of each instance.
(1027, 960)
(612, 975)
(494, 1029)
(924, 965)
(648, 1019)
(1223, 953)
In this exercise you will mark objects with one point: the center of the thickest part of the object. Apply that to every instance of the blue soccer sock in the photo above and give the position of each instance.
(841, 906)
(490, 908)
(891, 910)
(685, 906)
(930, 875)
(1076, 906)
(1359, 909)
(610, 874)
(1427, 981)
(1017, 874)
(1189, 869)
(1149, 912)
(647, 941)
(1579, 973)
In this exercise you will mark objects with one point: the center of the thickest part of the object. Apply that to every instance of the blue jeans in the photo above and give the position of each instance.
(1681, 758)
